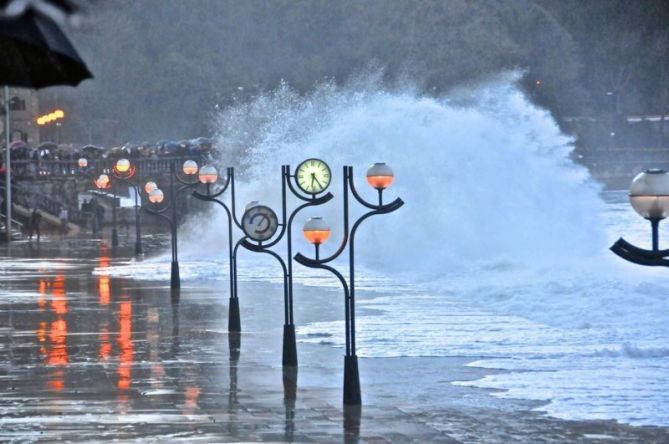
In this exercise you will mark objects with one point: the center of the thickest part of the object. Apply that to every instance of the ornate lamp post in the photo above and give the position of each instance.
(260, 224)
(208, 176)
(156, 197)
(316, 231)
(124, 171)
(649, 196)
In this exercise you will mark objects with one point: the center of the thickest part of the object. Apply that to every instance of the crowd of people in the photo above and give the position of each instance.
(49, 151)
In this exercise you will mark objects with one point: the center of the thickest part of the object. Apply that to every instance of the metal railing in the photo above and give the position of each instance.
(44, 169)
(33, 199)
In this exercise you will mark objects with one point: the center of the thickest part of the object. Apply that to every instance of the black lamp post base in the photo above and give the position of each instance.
(351, 381)
(138, 249)
(289, 346)
(114, 237)
(235, 345)
(352, 414)
(290, 383)
(234, 322)
(175, 279)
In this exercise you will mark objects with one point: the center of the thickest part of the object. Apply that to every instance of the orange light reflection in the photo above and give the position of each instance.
(125, 345)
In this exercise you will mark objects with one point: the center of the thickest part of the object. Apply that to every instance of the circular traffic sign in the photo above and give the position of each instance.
(260, 222)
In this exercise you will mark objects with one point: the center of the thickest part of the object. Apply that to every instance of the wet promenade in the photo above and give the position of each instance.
(88, 357)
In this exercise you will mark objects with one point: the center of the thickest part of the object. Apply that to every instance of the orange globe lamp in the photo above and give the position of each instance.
(123, 165)
(190, 168)
(150, 186)
(316, 230)
(208, 174)
(380, 176)
(156, 196)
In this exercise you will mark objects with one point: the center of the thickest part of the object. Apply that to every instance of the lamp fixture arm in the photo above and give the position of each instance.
(364, 202)
(160, 213)
(231, 176)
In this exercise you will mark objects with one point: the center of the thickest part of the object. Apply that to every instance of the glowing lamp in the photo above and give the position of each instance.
(82, 162)
(150, 186)
(190, 168)
(156, 196)
(380, 176)
(316, 230)
(208, 174)
(123, 165)
(649, 194)
(103, 179)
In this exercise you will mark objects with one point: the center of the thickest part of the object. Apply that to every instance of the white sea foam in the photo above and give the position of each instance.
(500, 253)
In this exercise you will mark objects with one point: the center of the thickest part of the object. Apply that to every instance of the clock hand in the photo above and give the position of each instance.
(318, 182)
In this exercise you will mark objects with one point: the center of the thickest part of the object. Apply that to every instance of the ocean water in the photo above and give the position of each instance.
(500, 253)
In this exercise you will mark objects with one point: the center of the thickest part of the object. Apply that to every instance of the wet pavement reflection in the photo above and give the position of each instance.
(84, 353)
(95, 357)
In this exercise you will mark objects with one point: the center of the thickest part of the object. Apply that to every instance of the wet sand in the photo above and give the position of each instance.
(95, 358)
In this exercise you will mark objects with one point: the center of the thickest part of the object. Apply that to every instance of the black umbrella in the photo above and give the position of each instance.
(34, 53)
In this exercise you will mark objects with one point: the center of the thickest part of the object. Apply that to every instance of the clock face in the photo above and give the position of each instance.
(260, 223)
(313, 176)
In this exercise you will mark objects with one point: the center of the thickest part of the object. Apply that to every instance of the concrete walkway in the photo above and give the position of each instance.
(95, 358)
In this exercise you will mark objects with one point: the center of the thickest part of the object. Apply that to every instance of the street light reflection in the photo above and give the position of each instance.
(125, 345)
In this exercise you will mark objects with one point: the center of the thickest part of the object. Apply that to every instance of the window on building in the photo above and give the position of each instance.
(17, 104)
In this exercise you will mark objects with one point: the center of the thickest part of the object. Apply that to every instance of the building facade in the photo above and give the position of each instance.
(23, 112)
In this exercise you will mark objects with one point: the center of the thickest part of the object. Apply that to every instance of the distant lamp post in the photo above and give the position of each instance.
(124, 171)
(208, 175)
(649, 196)
(186, 176)
(316, 231)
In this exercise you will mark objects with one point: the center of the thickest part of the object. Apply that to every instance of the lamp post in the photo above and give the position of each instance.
(649, 196)
(379, 176)
(156, 197)
(124, 171)
(208, 176)
(103, 182)
(312, 177)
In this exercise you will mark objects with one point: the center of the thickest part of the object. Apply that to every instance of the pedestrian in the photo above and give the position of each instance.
(99, 216)
(123, 219)
(35, 219)
(63, 216)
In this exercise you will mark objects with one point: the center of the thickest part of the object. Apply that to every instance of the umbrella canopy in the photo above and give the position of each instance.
(34, 53)
(47, 146)
(92, 148)
(17, 144)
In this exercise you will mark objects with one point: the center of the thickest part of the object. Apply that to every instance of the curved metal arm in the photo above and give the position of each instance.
(658, 254)
(211, 197)
(364, 202)
(285, 226)
(313, 263)
(159, 213)
(636, 258)
(261, 249)
(291, 187)
(231, 174)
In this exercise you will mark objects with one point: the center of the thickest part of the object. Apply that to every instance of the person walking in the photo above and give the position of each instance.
(63, 216)
(35, 219)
